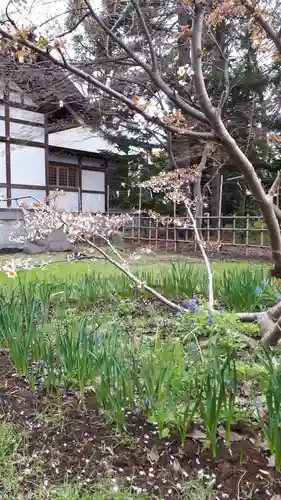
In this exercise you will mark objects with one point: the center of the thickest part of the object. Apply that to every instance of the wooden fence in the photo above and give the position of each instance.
(225, 231)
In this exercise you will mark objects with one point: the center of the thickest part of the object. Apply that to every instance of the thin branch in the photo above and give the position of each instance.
(275, 186)
(262, 21)
(140, 284)
(74, 26)
(170, 93)
(206, 260)
(147, 35)
(108, 90)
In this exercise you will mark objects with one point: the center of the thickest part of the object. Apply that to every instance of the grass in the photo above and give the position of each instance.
(90, 333)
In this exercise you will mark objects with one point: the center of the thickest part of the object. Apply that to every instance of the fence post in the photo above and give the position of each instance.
(220, 212)
(149, 231)
(234, 230)
(208, 227)
(247, 233)
(167, 236)
(139, 219)
(156, 233)
(175, 229)
(262, 238)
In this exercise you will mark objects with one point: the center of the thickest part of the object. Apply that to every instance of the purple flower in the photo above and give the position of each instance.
(278, 299)
(178, 314)
(192, 304)
(210, 320)
(221, 308)
(147, 402)
(258, 290)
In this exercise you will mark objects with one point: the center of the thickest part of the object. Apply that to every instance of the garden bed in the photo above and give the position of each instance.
(71, 441)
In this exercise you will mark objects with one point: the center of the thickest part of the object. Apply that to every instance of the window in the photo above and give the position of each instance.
(63, 176)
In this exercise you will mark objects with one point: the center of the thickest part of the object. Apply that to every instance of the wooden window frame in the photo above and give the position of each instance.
(69, 168)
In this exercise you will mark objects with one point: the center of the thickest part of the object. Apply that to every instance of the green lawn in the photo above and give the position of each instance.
(151, 262)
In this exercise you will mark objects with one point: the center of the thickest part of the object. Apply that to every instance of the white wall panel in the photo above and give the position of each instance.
(27, 132)
(2, 128)
(81, 138)
(92, 180)
(2, 162)
(29, 101)
(93, 202)
(23, 114)
(27, 165)
(3, 204)
(37, 193)
(69, 202)
(15, 97)
(66, 159)
(2, 110)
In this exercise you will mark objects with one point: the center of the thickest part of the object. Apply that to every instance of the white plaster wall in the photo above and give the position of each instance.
(3, 204)
(27, 132)
(2, 128)
(15, 97)
(27, 165)
(63, 158)
(81, 138)
(37, 193)
(69, 202)
(93, 202)
(29, 101)
(2, 110)
(2, 162)
(92, 180)
(23, 114)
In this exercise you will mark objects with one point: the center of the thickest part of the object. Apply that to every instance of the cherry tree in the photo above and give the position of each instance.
(194, 115)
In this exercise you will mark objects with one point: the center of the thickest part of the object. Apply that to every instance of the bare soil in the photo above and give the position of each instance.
(72, 440)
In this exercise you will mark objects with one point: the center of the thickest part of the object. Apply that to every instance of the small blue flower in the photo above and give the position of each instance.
(263, 283)
(210, 320)
(278, 299)
(221, 307)
(258, 290)
(147, 402)
(192, 304)
(178, 314)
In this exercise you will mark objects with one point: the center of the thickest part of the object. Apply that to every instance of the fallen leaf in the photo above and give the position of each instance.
(271, 462)
(197, 434)
(176, 465)
(234, 436)
(153, 455)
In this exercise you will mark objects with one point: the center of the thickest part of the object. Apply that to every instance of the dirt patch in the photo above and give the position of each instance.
(72, 440)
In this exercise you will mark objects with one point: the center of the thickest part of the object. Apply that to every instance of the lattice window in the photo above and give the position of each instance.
(63, 176)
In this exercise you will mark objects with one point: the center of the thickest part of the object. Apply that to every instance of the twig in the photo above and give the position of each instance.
(275, 186)
(206, 260)
(140, 284)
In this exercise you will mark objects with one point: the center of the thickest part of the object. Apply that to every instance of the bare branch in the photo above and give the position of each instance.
(108, 90)
(170, 93)
(275, 186)
(147, 35)
(262, 21)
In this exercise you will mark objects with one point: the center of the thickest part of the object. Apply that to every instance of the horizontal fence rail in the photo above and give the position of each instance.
(225, 231)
